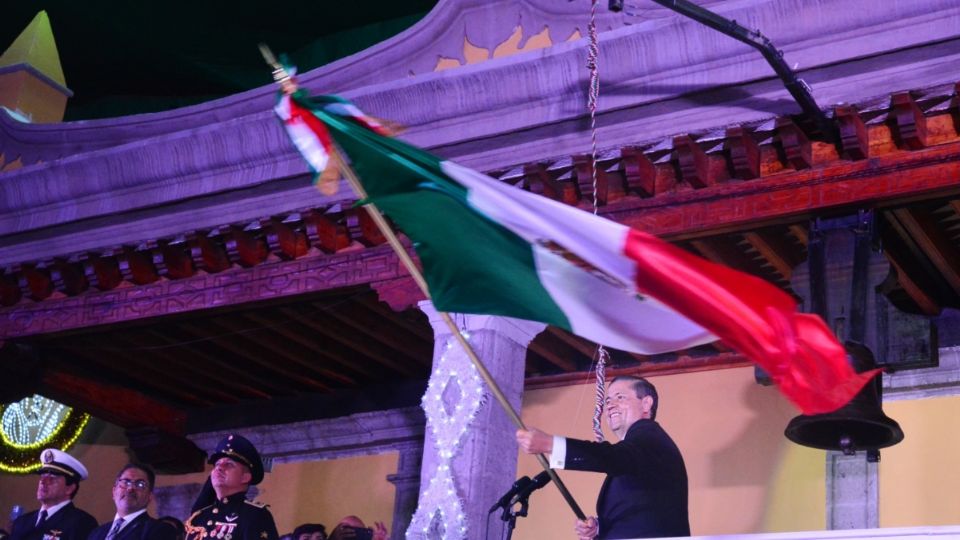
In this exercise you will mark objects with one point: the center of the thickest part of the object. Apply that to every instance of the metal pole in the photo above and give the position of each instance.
(411, 267)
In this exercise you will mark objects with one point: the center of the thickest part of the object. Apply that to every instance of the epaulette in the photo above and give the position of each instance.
(193, 515)
(258, 504)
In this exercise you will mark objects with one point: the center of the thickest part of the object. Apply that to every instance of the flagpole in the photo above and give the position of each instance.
(411, 267)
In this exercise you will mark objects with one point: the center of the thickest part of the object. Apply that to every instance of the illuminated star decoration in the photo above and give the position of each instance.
(448, 417)
(32, 424)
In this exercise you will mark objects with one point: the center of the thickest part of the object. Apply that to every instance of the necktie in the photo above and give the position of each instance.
(42, 519)
(116, 529)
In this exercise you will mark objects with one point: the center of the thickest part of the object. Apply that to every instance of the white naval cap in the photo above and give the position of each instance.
(60, 462)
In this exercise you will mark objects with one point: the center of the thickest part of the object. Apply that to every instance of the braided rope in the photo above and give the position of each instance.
(593, 97)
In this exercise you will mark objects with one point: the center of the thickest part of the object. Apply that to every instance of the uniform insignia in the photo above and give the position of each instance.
(264, 535)
(52, 534)
(232, 517)
(193, 532)
(48, 457)
(258, 504)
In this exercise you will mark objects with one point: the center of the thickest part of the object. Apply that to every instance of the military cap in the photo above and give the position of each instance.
(239, 449)
(59, 462)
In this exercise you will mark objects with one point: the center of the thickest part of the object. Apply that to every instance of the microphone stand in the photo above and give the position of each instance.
(510, 510)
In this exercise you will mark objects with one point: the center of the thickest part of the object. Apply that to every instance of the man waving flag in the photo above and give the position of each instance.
(490, 248)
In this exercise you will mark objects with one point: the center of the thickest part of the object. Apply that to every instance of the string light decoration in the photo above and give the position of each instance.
(440, 505)
(32, 424)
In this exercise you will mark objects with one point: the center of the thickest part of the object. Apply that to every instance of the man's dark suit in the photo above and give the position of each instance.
(143, 527)
(645, 492)
(69, 523)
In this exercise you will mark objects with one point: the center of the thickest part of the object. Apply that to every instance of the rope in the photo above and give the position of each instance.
(593, 97)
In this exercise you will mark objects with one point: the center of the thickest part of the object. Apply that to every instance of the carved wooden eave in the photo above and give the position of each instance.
(157, 217)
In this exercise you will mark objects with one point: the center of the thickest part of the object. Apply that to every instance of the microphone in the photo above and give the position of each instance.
(518, 486)
(538, 482)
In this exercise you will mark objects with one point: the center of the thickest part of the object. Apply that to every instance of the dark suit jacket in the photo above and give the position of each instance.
(69, 523)
(143, 527)
(645, 492)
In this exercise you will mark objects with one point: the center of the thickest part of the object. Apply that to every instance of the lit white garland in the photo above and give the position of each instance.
(439, 500)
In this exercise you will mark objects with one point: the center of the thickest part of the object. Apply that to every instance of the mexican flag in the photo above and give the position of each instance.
(490, 248)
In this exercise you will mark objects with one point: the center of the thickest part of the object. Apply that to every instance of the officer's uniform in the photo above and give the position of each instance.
(67, 523)
(233, 517)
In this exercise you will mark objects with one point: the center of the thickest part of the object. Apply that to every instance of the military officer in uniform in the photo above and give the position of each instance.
(230, 516)
(57, 518)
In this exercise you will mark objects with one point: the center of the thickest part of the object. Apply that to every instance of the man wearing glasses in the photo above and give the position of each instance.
(132, 492)
(57, 519)
(645, 492)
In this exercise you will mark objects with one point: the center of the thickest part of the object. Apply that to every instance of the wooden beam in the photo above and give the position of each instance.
(161, 364)
(796, 145)
(103, 272)
(310, 349)
(774, 251)
(912, 262)
(800, 233)
(639, 172)
(369, 339)
(68, 277)
(927, 305)
(419, 351)
(580, 344)
(422, 330)
(853, 133)
(550, 353)
(345, 345)
(35, 282)
(120, 368)
(693, 162)
(197, 343)
(790, 196)
(117, 404)
(207, 252)
(285, 240)
(241, 340)
(744, 153)
(910, 121)
(537, 179)
(940, 250)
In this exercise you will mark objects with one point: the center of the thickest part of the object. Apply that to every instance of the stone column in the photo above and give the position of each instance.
(852, 492)
(407, 483)
(462, 478)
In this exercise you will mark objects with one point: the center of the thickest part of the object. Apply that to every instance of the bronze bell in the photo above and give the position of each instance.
(858, 425)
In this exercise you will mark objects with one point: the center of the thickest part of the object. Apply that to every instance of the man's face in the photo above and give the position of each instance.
(624, 407)
(131, 491)
(229, 477)
(53, 489)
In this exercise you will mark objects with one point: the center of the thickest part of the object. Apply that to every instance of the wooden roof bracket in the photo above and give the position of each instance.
(800, 91)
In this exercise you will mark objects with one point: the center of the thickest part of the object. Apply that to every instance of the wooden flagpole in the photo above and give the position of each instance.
(408, 263)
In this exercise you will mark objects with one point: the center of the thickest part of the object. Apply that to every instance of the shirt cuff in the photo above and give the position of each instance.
(558, 456)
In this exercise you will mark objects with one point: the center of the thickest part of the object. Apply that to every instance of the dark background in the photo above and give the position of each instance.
(123, 57)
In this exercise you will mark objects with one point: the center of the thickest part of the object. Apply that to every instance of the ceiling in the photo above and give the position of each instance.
(123, 57)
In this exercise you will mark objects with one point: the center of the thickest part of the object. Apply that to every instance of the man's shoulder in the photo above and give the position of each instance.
(198, 512)
(72, 512)
(258, 509)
